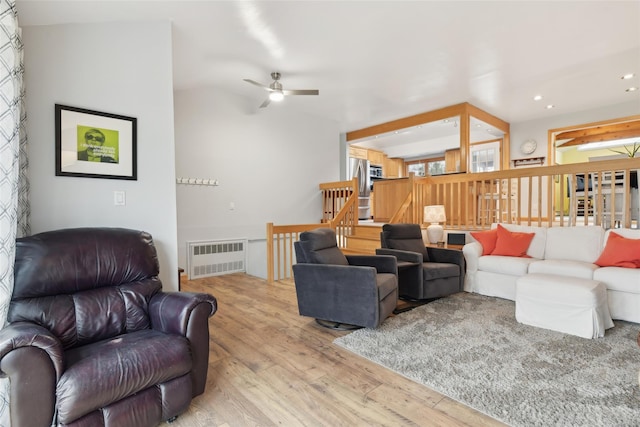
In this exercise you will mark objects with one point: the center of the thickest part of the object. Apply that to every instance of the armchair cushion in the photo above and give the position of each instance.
(439, 270)
(133, 361)
(320, 247)
(406, 237)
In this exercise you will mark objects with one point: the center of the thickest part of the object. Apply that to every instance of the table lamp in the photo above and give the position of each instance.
(435, 214)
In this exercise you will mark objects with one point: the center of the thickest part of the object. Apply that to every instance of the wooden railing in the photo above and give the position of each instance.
(335, 196)
(547, 196)
(543, 196)
(340, 212)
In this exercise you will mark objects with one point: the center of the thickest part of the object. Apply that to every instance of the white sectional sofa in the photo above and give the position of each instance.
(560, 251)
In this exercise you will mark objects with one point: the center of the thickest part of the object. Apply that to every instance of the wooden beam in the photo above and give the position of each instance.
(601, 137)
(406, 122)
(633, 126)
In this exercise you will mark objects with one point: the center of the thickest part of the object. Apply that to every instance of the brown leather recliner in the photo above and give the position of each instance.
(92, 340)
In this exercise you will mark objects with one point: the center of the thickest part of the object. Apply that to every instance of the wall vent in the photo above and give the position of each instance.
(216, 257)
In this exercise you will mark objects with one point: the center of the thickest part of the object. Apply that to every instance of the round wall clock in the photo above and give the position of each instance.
(529, 146)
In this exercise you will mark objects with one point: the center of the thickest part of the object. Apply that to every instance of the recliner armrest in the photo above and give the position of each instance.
(33, 360)
(383, 264)
(169, 312)
(401, 255)
(25, 334)
(187, 314)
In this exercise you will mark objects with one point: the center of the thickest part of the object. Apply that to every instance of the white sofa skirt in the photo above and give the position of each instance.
(623, 291)
(496, 285)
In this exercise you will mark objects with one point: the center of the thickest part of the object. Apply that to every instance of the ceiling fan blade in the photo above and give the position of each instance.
(301, 92)
(265, 103)
(253, 82)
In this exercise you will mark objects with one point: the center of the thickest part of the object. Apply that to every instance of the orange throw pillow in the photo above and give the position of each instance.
(512, 243)
(620, 252)
(487, 239)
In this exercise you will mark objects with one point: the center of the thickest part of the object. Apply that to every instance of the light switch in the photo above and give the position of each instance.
(119, 198)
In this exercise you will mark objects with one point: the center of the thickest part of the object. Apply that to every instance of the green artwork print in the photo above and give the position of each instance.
(97, 144)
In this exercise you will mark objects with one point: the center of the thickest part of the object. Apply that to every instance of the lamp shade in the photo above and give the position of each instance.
(434, 214)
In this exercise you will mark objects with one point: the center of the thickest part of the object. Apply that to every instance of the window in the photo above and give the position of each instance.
(424, 167)
(435, 168)
(485, 157)
(417, 168)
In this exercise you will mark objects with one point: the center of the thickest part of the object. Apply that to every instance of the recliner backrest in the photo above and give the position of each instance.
(406, 237)
(85, 284)
(319, 246)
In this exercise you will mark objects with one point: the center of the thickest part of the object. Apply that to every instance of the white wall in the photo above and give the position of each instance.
(268, 162)
(119, 68)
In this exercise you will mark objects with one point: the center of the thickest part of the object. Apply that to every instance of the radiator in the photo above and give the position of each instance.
(216, 257)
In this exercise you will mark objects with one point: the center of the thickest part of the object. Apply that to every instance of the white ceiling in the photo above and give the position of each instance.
(376, 61)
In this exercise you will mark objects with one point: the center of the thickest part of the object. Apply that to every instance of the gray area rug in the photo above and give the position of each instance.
(470, 348)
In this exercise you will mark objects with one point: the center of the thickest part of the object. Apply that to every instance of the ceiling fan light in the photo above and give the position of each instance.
(276, 95)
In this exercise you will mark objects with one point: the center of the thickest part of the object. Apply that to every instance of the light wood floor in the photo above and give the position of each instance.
(270, 366)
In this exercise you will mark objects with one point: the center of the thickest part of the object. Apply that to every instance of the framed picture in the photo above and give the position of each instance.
(92, 144)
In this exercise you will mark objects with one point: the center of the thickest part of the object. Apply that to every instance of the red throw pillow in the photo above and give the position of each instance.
(512, 243)
(487, 239)
(620, 252)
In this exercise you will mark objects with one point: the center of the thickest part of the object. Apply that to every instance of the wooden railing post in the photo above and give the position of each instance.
(270, 252)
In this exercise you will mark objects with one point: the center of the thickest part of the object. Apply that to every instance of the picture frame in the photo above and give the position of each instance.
(94, 144)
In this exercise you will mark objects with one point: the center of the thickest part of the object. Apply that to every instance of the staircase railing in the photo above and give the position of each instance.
(339, 212)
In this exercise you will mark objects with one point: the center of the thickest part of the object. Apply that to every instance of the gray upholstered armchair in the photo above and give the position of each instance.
(342, 291)
(423, 272)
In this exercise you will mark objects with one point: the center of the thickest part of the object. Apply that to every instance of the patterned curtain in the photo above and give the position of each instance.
(14, 187)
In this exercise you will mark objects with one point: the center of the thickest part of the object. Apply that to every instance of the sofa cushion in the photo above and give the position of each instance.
(487, 239)
(537, 245)
(512, 243)
(565, 268)
(513, 266)
(619, 279)
(620, 252)
(116, 368)
(582, 243)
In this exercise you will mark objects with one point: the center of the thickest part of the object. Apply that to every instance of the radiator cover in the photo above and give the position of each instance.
(216, 257)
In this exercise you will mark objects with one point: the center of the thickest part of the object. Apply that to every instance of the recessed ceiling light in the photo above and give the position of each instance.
(550, 106)
(537, 97)
(627, 76)
(631, 89)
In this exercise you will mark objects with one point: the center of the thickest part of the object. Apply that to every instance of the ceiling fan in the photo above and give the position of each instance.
(277, 93)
